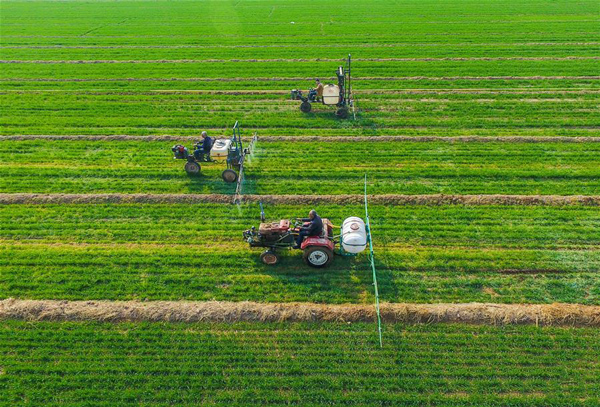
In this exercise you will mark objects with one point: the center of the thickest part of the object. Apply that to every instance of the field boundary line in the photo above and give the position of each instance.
(269, 60)
(384, 199)
(307, 78)
(274, 92)
(322, 139)
(558, 314)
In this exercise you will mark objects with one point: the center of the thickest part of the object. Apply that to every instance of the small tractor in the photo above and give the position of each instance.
(318, 250)
(339, 95)
(229, 150)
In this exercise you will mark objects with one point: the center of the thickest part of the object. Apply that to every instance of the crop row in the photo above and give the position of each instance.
(279, 84)
(160, 113)
(437, 68)
(295, 52)
(296, 364)
(76, 166)
(441, 226)
(424, 254)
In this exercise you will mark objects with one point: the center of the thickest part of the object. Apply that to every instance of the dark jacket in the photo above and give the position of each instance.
(207, 144)
(315, 228)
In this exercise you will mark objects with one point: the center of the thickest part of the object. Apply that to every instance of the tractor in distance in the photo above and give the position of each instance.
(339, 95)
(229, 150)
(318, 251)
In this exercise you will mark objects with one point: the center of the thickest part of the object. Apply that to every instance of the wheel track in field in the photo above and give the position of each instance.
(223, 311)
(292, 60)
(386, 199)
(323, 139)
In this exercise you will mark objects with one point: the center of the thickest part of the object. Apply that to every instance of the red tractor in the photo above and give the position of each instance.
(318, 250)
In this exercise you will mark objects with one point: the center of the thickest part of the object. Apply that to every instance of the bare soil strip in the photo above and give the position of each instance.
(323, 139)
(307, 78)
(202, 61)
(517, 91)
(222, 311)
(390, 199)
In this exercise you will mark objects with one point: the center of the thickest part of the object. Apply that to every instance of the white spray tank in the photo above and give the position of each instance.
(331, 95)
(220, 148)
(354, 235)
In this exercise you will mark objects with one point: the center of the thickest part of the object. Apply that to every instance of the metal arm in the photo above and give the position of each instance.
(372, 261)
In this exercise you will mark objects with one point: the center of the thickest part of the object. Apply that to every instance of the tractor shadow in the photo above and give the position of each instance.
(209, 183)
(325, 115)
(362, 121)
(347, 279)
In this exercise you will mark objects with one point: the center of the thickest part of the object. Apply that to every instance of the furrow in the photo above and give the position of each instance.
(387, 199)
(200, 61)
(322, 139)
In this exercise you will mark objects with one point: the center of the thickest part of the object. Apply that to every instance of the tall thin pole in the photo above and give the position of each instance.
(372, 259)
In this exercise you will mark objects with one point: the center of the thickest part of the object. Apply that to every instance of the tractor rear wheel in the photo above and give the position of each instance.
(269, 257)
(305, 107)
(229, 176)
(192, 168)
(342, 113)
(318, 256)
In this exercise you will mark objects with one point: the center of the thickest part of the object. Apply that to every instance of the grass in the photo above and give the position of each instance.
(63, 98)
(426, 112)
(306, 168)
(181, 251)
(480, 68)
(296, 364)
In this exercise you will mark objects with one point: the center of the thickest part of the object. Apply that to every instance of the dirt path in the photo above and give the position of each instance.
(222, 311)
(389, 199)
(276, 93)
(293, 60)
(324, 139)
(308, 78)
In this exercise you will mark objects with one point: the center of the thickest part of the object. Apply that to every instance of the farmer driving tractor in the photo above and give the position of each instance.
(319, 90)
(202, 152)
(313, 227)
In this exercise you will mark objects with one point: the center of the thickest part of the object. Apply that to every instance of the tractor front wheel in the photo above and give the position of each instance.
(317, 256)
(270, 258)
(342, 113)
(305, 107)
(192, 168)
(229, 176)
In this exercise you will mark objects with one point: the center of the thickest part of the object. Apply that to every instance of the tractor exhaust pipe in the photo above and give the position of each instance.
(262, 212)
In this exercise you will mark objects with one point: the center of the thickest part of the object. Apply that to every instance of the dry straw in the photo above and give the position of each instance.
(390, 199)
(223, 311)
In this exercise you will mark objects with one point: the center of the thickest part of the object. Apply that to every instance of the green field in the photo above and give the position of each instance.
(441, 68)
(306, 168)
(296, 364)
(424, 254)
(421, 67)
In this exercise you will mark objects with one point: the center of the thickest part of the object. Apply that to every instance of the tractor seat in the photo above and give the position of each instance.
(327, 229)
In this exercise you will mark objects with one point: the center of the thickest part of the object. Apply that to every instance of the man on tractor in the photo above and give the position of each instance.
(319, 89)
(202, 152)
(312, 227)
